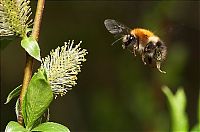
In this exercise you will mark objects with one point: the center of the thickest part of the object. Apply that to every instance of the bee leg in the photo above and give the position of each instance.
(133, 50)
(124, 47)
(158, 67)
(143, 57)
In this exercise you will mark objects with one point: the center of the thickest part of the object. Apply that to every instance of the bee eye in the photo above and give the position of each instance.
(129, 39)
(132, 38)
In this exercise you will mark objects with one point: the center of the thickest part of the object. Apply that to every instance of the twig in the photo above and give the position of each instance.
(29, 59)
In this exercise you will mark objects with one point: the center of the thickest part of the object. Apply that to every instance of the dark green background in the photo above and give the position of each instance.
(115, 91)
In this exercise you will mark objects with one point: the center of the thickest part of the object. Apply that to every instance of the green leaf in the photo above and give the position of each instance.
(17, 108)
(177, 105)
(42, 119)
(32, 47)
(196, 128)
(37, 122)
(38, 97)
(51, 127)
(15, 127)
(198, 114)
(13, 94)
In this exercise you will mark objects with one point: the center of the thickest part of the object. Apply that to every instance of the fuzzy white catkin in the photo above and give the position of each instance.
(14, 17)
(62, 66)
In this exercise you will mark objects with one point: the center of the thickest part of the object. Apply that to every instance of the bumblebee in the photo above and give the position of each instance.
(139, 41)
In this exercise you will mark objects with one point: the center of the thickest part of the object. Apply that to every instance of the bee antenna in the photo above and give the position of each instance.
(116, 40)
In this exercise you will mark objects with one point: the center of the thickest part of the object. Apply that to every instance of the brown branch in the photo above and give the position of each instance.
(38, 18)
(29, 60)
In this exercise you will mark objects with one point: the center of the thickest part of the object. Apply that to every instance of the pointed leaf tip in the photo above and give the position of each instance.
(31, 46)
(14, 93)
(177, 104)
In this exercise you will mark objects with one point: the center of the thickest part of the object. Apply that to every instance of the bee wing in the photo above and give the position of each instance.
(115, 27)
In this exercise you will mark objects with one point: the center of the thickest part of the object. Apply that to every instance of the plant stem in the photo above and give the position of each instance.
(29, 60)
(38, 18)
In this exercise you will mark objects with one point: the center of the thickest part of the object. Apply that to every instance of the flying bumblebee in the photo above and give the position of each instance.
(139, 41)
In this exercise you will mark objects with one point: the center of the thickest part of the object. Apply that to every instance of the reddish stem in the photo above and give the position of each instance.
(29, 60)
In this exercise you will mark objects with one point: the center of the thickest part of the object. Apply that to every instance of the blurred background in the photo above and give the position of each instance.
(115, 91)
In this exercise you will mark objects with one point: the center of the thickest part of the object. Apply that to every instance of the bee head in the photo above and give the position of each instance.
(128, 40)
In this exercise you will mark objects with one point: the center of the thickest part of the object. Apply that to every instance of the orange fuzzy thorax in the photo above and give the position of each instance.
(142, 34)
